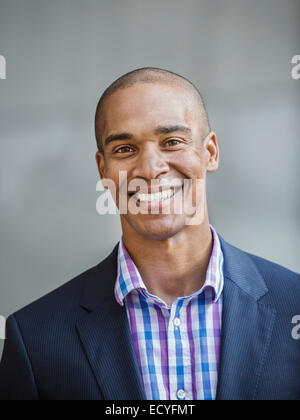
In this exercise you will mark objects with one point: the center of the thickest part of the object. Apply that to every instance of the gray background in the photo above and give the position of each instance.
(60, 57)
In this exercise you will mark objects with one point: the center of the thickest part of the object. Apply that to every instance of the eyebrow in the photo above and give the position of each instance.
(159, 130)
(172, 128)
(116, 137)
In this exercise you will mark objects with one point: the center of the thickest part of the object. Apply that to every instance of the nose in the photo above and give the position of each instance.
(151, 163)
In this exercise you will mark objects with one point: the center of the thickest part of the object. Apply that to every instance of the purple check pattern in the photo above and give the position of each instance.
(177, 347)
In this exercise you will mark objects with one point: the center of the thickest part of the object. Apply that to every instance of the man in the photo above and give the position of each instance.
(174, 312)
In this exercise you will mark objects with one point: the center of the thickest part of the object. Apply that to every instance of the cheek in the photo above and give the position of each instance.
(111, 170)
(191, 164)
(119, 176)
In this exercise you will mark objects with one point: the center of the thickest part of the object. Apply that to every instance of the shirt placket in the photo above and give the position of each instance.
(179, 361)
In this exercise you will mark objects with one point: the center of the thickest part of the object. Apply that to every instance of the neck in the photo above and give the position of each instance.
(172, 267)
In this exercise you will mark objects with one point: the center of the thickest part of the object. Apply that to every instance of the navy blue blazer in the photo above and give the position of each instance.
(75, 343)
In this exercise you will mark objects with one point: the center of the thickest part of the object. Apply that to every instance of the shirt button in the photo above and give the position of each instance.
(180, 394)
(176, 322)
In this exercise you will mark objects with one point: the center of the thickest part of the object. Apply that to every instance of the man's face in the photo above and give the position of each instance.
(155, 132)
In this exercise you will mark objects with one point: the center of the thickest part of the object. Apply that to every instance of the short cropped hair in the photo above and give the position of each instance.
(146, 75)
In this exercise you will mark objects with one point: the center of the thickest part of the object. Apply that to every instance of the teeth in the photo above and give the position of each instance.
(155, 197)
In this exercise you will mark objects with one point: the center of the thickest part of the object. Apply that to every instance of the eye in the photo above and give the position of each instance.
(123, 149)
(172, 142)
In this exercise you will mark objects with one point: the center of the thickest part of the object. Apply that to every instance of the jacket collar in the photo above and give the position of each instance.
(99, 287)
(238, 267)
(241, 270)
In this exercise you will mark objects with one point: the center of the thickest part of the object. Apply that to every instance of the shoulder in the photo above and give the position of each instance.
(63, 303)
(274, 272)
(58, 302)
(270, 270)
(282, 285)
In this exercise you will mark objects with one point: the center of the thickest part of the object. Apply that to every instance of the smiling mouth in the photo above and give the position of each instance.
(159, 196)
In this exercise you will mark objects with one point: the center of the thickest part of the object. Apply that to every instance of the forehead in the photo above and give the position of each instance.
(146, 105)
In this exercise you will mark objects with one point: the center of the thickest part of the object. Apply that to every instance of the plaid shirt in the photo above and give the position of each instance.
(177, 347)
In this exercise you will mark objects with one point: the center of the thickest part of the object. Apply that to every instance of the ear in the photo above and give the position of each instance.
(211, 148)
(100, 164)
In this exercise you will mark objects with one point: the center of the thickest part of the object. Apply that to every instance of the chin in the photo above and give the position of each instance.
(157, 227)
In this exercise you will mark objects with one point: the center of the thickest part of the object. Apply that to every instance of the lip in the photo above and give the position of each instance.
(159, 189)
(156, 204)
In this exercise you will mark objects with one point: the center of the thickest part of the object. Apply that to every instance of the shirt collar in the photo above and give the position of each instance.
(129, 278)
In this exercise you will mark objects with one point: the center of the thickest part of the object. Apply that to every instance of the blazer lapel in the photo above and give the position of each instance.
(106, 338)
(246, 327)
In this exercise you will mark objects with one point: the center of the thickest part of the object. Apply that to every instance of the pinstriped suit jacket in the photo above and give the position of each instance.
(75, 343)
